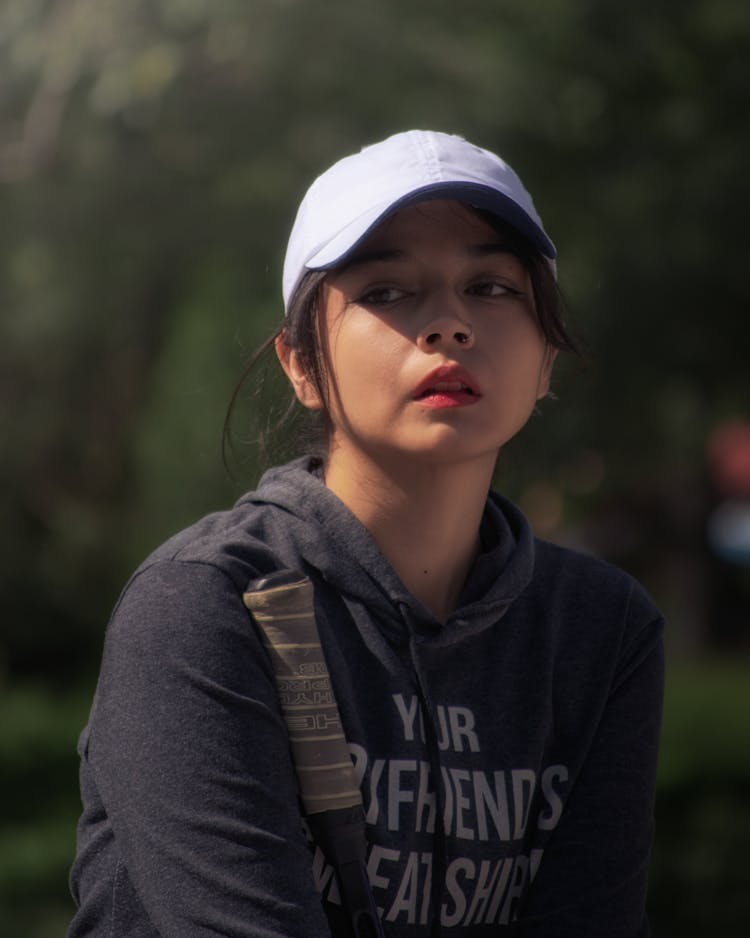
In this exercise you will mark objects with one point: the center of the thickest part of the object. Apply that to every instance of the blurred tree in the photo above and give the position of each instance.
(152, 154)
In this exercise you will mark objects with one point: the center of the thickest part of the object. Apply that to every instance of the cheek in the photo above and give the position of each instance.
(365, 354)
(522, 361)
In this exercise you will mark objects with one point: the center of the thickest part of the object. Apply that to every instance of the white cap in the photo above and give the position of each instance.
(344, 204)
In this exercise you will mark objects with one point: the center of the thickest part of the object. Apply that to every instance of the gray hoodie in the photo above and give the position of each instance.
(506, 758)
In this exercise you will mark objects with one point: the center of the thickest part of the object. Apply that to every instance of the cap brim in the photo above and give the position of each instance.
(481, 197)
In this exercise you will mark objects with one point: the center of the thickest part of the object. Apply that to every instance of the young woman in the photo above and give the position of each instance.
(500, 696)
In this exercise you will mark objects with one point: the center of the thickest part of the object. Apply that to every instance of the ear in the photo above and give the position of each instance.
(304, 388)
(545, 375)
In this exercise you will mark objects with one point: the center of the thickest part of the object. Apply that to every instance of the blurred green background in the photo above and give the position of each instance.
(152, 154)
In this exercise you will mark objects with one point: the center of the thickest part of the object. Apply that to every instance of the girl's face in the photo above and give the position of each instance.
(433, 349)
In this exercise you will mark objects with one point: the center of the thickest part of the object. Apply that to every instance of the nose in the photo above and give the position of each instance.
(445, 330)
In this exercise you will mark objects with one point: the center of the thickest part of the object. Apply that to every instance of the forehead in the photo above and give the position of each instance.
(437, 233)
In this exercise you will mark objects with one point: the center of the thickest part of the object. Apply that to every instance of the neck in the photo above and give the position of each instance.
(425, 521)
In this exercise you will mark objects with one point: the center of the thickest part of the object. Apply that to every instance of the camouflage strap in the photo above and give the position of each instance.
(282, 606)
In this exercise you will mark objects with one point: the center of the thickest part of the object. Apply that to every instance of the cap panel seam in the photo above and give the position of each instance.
(428, 148)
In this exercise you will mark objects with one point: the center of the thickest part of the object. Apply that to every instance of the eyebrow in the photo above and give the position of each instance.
(493, 247)
(396, 254)
(370, 257)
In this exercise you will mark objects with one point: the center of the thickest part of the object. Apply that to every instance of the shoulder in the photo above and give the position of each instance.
(555, 571)
(180, 620)
(188, 592)
(591, 578)
(594, 604)
(232, 542)
(594, 620)
(262, 531)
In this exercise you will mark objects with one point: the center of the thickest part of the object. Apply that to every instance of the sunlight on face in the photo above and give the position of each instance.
(432, 341)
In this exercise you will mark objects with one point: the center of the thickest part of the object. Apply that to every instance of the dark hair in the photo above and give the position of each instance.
(303, 334)
(302, 331)
(548, 299)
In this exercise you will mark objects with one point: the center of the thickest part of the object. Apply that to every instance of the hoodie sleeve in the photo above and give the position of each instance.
(592, 880)
(190, 758)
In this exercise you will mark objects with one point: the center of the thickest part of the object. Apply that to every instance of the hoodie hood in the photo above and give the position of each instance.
(331, 540)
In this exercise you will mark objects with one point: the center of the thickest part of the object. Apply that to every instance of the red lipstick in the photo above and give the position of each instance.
(447, 386)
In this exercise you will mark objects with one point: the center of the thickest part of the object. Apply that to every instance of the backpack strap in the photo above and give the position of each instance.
(282, 606)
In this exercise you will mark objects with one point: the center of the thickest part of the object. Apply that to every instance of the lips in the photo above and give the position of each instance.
(448, 385)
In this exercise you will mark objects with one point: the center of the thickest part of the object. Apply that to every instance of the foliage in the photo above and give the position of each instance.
(152, 154)
(38, 784)
(698, 872)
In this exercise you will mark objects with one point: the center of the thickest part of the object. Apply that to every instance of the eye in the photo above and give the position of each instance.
(492, 288)
(380, 296)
